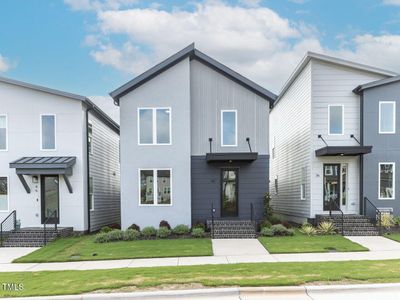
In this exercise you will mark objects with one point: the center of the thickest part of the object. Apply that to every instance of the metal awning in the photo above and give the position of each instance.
(343, 150)
(231, 156)
(54, 165)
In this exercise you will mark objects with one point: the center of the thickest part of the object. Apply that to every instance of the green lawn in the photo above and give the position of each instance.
(302, 243)
(84, 248)
(256, 274)
(393, 236)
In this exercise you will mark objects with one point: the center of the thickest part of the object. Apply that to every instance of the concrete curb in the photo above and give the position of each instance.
(227, 292)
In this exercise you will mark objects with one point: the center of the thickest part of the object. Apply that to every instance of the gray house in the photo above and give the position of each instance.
(379, 101)
(194, 137)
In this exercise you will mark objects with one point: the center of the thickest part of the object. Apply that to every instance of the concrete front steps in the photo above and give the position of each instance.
(353, 225)
(232, 229)
(34, 236)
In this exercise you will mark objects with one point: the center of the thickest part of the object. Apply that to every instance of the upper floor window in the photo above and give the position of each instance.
(48, 132)
(91, 194)
(155, 186)
(3, 193)
(229, 128)
(335, 119)
(386, 180)
(387, 117)
(303, 183)
(3, 132)
(90, 137)
(154, 126)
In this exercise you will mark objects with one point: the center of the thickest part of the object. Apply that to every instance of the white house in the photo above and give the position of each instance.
(59, 159)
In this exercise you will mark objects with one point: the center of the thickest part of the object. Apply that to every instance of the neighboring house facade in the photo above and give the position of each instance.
(194, 136)
(316, 142)
(380, 114)
(48, 141)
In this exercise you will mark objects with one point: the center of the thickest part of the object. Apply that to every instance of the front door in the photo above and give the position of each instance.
(331, 186)
(50, 198)
(229, 192)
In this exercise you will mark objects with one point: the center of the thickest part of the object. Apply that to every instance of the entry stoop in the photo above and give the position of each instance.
(232, 229)
(353, 225)
(34, 236)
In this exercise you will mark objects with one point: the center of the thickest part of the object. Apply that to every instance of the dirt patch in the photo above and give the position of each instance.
(163, 287)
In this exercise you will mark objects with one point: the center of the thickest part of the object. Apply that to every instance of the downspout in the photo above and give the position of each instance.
(361, 156)
(87, 166)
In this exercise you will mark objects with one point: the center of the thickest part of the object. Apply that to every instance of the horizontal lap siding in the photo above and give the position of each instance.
(206, 187)
(104, 168)
(291, 128)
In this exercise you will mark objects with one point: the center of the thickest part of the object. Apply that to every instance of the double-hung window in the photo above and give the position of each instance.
(335, 119)
(387, 117)
(386, 179)
(3, 133)
(3, 193)
(154, 126)
(228, 128)
(91, 194)
(48, 132)
(155, 186)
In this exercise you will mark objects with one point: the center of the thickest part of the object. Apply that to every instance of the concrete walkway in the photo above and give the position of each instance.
(7, 255)
(390, 291)
(225, 252)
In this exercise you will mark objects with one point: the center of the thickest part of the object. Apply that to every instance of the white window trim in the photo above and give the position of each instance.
(329, 119)
(394, 180)
(394, 117)
(154, 116)
(222, 127)
(91, 148)
(92, 196)
(8, 194)
(155, 187)
(6, 149)
(55, 132)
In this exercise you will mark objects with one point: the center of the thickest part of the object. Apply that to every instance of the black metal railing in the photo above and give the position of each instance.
(333, 203)
(253, 221)
(212, 220)
(9, 224)
(377, 214)
(52, 216)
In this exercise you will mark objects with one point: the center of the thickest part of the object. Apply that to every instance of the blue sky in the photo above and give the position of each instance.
(91, 47)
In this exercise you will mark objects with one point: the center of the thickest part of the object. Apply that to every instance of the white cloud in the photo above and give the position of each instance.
(98, 5)
(391, 2)
(250, 3)
(5, 64)
(254, 41)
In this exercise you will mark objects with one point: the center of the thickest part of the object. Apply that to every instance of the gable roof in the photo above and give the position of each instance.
(95, 109)
(329, 59)
(372, 84)
(191, 52)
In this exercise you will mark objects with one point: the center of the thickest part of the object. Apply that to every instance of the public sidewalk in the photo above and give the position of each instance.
(227, 251)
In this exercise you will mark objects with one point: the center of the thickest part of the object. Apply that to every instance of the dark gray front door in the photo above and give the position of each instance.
(50, 198)
(331, 185)
(229, 192)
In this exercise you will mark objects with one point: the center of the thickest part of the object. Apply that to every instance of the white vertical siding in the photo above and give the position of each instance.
(333, 84)
(290, 126)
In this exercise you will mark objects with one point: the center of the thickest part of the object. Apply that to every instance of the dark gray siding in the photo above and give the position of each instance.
(105, 170)
(386, 147)
(206, 186)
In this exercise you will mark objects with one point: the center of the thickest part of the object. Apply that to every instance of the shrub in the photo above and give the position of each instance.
(397, 220)
(268, 212)
(199, 224)
(149, 231)
(274, 219)
(163, 232)
(197, 232)
(267, 231)
(326, 228)
(181, 229)
(131, 235)
(387, 221)
(135, 227)
(164, 223)
(111, 236)
(101, 237)
(308, 229)
(265, 224)
(279, 229)
(105, 229)
(286, 224)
